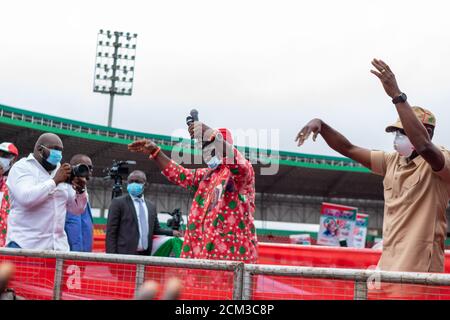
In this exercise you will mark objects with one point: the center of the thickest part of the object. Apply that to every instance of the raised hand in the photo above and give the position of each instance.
(145, 146)
(387, 78)
(200, 131)
(314, 126)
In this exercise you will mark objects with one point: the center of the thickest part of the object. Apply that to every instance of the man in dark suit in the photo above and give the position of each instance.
(132, 220)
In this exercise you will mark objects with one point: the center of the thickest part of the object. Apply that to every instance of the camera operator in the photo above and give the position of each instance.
(133, 220)
(117, 170)
(80, 227)
(176, 221)
(40, 197)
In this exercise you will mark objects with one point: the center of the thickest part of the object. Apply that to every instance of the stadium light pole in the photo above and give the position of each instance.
(114, 65)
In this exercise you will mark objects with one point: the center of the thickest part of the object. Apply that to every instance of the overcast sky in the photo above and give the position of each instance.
(242, 64)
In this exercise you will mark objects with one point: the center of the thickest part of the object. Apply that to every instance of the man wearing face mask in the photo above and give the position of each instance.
(40, 196)
(80, 227)
(416, 182)
(220, 223)
(8, 155)
(133, 220)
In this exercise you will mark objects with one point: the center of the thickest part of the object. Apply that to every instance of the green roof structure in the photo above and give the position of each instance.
(326, 175)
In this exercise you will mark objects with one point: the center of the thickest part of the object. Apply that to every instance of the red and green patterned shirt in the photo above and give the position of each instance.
(220, 223)
(4, 210)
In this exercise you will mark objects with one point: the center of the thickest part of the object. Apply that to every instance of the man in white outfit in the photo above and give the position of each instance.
(41, 193)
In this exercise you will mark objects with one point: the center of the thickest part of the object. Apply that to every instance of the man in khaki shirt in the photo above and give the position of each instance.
(416, 182)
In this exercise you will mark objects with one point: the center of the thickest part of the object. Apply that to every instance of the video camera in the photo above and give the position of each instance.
(117, 170)
(177, 219)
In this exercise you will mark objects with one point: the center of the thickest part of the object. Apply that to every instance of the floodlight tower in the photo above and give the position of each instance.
(114, 65)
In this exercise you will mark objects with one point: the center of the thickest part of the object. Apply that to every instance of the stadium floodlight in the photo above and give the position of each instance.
(114, 65)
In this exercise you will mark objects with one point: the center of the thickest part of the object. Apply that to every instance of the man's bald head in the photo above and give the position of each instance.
(44, 144)
(80, 159)
(137, 176)
(49, 140)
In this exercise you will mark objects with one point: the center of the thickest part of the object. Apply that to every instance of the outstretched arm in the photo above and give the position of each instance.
(174, 172)
(148, 147)
(414, 129)
(335, 140)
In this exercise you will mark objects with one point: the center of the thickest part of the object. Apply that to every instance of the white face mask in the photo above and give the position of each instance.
(402, 145)
(5, 163)
(210, 157)
(214, 162)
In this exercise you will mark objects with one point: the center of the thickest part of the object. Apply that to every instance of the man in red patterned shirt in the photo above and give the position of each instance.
(220, 223)
(8, 155)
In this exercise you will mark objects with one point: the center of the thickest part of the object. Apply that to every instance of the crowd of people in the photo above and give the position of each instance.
(45, 207)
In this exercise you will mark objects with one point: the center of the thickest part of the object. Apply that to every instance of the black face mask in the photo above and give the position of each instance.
(47, 165)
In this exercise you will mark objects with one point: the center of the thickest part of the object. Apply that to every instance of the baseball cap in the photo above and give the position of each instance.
(9, 148)
(425, 116)
(227, 136)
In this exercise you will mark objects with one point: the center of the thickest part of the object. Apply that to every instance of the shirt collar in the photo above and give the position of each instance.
(33, 159)
(137, 198)
(417, 160)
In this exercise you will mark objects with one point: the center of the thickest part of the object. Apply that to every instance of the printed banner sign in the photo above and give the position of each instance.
(360, 232)
(337, 224)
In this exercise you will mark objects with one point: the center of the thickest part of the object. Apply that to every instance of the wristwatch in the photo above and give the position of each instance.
(400, 99)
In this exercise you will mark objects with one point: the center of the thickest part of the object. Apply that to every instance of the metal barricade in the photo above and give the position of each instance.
(70, 275)
(58, 275)
(308, 283)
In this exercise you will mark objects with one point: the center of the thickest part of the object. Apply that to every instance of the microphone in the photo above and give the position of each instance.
(194, 114)
(192, 118)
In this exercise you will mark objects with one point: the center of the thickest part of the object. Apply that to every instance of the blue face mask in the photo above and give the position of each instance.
(135, 189)
(54, 157)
